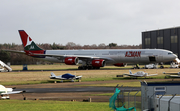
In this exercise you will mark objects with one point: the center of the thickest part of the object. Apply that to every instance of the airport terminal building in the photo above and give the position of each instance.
(162, 39)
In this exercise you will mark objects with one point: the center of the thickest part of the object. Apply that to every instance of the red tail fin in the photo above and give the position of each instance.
(29, 46)
(24, 37)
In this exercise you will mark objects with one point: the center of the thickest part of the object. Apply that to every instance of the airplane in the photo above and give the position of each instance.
(94, 59)
(66, 76)
(6, 91)
(139, 74)
(173, 75)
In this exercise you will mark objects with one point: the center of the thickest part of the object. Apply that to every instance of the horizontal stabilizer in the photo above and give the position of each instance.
(15, 51)
(178, 73)
(152, 74)
(78, 77)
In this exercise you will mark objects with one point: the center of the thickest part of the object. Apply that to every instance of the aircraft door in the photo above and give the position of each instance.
(152, 58)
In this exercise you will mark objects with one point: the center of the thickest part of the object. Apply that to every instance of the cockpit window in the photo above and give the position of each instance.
(170, 53)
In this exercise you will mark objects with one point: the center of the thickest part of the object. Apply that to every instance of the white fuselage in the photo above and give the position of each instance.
(113, 56)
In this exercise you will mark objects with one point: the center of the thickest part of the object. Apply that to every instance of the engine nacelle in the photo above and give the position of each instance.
(71, 61)
(120, 64)
(98, 63)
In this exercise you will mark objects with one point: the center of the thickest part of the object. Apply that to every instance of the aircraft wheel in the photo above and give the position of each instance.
(89, 67)
(96, 67)
(80, 67)
(84, 67)
(162, 67)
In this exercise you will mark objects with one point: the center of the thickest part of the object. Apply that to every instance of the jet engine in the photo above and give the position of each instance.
(98, 63)
(71, 61)
(120, 64)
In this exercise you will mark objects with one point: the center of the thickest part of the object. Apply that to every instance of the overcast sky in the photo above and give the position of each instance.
(85, 22)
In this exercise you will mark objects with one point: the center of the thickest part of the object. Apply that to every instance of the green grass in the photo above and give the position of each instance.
(105, 74)
(110, 94)
(132, 93)
(103, 94)
(30, 105)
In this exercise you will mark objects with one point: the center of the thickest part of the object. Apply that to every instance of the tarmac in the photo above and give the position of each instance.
(69, 91)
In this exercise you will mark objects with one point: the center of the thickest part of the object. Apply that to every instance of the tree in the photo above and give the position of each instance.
(112, 44)
(5, 56)
(70, 45)
(94, 46)
(102, 45)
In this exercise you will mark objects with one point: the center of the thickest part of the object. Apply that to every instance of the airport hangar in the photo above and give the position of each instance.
(167, 38)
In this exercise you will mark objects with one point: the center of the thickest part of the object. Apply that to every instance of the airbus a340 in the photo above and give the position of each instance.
(94, 59)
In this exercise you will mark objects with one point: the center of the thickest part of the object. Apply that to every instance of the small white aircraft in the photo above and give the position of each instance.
(150, 66)
(6, 91)
(66, 76)
(173, 75)
(139, 74)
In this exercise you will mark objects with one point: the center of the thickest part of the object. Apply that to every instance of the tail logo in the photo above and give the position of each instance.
(31, 47)
(29, 41)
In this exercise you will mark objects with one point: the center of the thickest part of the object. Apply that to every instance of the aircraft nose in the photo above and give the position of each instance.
(170, 57)
(174, 56)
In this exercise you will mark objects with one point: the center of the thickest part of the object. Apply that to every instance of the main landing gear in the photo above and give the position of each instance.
(161, 67)
(87, 67)
(137, 66)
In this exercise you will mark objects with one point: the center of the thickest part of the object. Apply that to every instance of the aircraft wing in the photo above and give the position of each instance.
(79, 56)
(172, 73)
(13, 92)
(152, 74)
(55, 55)
(132, 75)
(60, 78)
(15, 51)
(174, 76)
